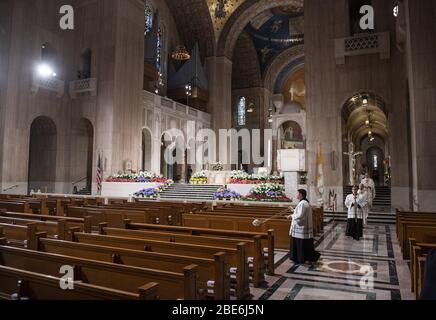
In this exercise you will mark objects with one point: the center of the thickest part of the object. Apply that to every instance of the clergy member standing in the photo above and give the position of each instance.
(302, 247)
(362, 191)
(370, 188)
(355, 204)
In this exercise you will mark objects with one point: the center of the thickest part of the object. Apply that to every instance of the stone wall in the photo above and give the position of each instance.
(329, 85)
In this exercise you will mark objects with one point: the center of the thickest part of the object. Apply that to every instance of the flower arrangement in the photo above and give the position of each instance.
(241, 177)
(268, 192)
(199, 177)
(218, 167)
(224, 193)
(151, 193)
(143, 176)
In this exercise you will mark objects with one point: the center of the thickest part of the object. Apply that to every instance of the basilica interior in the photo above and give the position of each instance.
(86, 110)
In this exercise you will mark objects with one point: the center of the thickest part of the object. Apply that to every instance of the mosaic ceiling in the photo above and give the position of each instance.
(276, 30)
(220, 12)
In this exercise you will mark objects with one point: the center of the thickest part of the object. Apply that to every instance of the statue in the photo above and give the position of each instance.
(353, 158)
(289, 134)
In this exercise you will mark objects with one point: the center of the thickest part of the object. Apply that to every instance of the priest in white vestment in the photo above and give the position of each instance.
(362, 191)
(355, 204)
(302, 246)
(370, 188)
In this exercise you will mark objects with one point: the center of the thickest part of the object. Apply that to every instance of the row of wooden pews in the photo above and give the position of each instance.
(207, 267)
(184, 251)
(417, 236)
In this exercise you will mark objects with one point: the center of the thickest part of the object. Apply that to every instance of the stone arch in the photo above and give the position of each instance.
(147, 147)
(42, 155)
(82, 155)
(241, 17)
(290, 57)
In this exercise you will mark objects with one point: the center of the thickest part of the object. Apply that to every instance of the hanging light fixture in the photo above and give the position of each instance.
(181, 54)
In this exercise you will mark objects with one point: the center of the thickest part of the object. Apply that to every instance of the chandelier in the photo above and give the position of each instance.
(181, 54)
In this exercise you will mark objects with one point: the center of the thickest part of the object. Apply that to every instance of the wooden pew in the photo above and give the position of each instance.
(141, 215)
(16, 284)
(254, 245)
(39, 217)
(421, 231)
(15, 206)
(235, 258)
(126, 278)
(418, 250)
(212, 275)
(281, 227)
(267, 238)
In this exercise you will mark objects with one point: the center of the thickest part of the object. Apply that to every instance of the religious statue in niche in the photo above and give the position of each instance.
(292, 136)
(220, 9)
(289, 134)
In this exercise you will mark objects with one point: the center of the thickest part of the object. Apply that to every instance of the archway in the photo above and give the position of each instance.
(365, 135)
(374, 160)
(82, 156)
(42, 155)
(240, 18)
(171, 155)
(146, 150)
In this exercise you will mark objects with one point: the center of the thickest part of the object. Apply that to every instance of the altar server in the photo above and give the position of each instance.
(370, 188)
(302, 247)
(355, 204)
(362, 191)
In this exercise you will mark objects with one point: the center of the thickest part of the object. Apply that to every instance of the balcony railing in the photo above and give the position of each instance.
(151, 100)
(82, 86)
(363, 44)
(50, 84)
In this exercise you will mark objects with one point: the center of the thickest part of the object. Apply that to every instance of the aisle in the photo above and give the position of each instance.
(340, 273)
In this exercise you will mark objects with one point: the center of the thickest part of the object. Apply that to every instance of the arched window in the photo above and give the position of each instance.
(148, 19)
(375, 162)
(159, 49)
(242, 106)
(161, 54)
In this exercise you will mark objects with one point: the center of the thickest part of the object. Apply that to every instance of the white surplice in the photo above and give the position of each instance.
(366, 208)
(369, 185)
(355, 205)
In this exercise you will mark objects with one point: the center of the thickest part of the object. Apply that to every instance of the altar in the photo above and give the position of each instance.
(125, 189)
(219, 177)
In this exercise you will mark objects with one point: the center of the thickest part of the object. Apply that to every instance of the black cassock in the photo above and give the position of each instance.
(355, 205)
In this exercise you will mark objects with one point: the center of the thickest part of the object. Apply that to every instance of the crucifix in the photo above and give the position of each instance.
(352, 156)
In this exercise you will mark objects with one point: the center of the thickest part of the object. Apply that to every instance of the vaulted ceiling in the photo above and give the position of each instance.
(194, 24)
(217, 24)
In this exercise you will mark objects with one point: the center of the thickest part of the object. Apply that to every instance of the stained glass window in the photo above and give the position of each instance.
(159, 49)
(148, 19)
(241, 111)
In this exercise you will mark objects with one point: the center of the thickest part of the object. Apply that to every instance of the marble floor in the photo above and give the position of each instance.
(369, 269)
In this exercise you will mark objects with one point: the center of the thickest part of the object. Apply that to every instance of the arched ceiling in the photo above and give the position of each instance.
(246, 70)
(194, 24)
(217, 24)
(242, 16)
(361, 117)
(276, 30)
